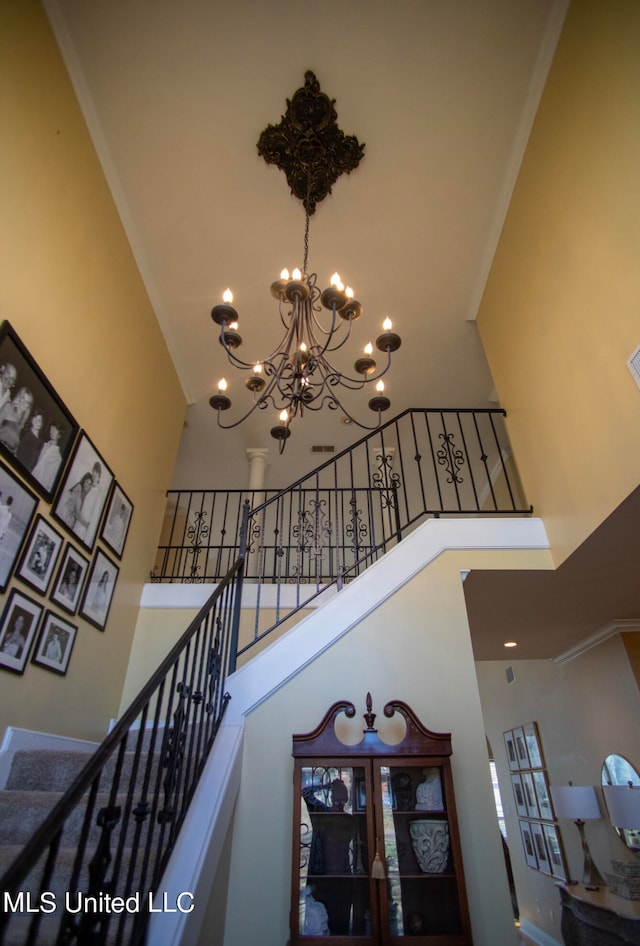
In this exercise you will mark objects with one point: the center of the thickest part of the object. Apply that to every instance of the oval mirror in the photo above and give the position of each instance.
(616, 770)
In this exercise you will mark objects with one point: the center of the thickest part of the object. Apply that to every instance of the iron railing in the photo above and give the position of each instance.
(112, 832)
(331, 524)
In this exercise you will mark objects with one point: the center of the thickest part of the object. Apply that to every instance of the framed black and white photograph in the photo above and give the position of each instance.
(37, 432)
(83, 494)
(18, 626)
(116, 521)
(17, 509)
(543, 795)
(537, 833)
(518, 794)
(534, 747)
(521, 748)
(530, 795)
(69, 581)
(99, 589)
(40, 555)
(510, 746)
(55, 643)
(527, 843)
(555, 851)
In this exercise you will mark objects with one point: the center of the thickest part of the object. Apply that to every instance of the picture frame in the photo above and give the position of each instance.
(537, 833)
(521, 748)
(18, 626)
(40, 555)
(117, 521)
(518, 794)
(17, 508)
(555, 851)
(67, 589)
(534, 746)
(543, 795)
(360, 795)
(510, 747)
(37, 431)
(83, 493)
(530, 795)
(55, 643)
(527, 842)
(98, 590)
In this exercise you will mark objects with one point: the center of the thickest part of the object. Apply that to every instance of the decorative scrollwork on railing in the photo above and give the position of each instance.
(312, 533)
(451, 458)
(196, 534)
(194, 577)
(174, 754)
(254, 537)
(85, 929)
(385, 480)
(199, 529)
(356, 529)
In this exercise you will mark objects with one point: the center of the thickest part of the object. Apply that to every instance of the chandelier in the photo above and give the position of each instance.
(299, 375)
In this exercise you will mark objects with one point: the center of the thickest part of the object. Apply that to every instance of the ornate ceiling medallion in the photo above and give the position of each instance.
(308, 145)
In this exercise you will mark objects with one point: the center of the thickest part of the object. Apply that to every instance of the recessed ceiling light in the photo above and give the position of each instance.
(510, 644)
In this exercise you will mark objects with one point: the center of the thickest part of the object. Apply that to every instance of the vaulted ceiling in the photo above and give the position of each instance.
(443, 94)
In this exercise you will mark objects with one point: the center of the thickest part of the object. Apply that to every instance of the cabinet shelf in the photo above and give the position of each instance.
(368, 865)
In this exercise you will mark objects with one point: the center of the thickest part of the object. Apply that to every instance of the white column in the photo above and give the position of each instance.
(258, 458)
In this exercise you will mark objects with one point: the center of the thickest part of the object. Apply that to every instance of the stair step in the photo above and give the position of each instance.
(22, 813)
(44, 770)
(57, 889)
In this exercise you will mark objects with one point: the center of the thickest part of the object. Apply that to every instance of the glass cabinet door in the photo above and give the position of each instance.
(422, 891)
(334, 884)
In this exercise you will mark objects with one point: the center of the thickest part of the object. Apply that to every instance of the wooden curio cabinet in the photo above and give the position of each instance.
(376, 849)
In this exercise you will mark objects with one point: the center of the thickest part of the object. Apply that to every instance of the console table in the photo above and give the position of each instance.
(598, 918)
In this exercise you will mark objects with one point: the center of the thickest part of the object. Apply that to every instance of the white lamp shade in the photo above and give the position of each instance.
(576, 802)
(623, 805)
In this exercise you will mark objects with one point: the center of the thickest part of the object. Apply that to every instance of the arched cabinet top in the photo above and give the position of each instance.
(417, 740)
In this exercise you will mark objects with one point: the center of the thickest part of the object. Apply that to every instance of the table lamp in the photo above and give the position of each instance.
(623, 805)
(579, 803)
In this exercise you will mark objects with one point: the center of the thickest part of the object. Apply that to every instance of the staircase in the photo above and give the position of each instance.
(114, 828)
(111, 831)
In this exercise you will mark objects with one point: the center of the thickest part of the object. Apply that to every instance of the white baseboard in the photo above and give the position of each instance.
(20, 739)
(537, 935)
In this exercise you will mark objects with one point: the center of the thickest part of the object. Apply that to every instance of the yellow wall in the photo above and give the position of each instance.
(559, 317)
(414, 647)
(158, 629)
(585, 710)
(70, 288)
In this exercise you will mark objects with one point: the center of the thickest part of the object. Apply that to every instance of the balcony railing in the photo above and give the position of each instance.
(329, 525)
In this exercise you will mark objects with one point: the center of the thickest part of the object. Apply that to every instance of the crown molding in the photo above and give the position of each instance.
(609, 630)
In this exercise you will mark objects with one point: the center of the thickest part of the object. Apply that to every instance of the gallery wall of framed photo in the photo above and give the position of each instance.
(64, 520)
(539, 831)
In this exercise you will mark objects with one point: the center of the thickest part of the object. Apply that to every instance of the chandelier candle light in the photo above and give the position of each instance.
(298, 374)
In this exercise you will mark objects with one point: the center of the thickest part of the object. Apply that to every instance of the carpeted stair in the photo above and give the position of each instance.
(37, 780)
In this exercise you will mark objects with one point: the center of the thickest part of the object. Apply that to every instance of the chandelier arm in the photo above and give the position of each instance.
(236, 362)
(283, 349)
(260, 404)
(370, 378)
(334, 403)
(323, 347)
